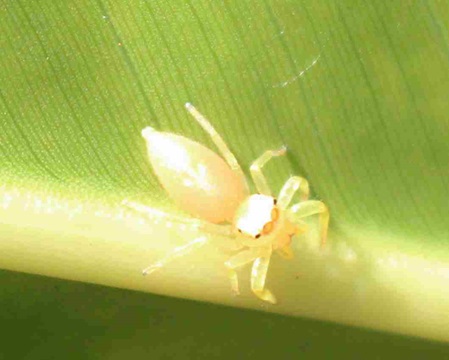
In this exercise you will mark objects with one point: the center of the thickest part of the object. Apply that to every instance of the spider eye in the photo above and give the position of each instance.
(267, 227)
(257, 236)
(240, 231)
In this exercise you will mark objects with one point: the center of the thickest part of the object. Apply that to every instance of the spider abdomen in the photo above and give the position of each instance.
(196, 178)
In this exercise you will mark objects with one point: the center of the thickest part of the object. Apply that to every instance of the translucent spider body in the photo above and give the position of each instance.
(214, 190)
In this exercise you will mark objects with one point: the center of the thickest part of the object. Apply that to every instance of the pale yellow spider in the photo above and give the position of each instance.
(216, 193)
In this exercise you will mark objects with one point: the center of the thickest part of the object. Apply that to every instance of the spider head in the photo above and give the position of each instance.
(256, 216)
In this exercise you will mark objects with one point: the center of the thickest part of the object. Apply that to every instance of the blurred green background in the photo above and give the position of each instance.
(356, 90)
(46, 318)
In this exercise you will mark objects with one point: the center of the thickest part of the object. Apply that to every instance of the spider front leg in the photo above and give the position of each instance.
(294, 184)
(312, 207)
(261, 261)
(242, 258)
(258, 277)
(256, 169)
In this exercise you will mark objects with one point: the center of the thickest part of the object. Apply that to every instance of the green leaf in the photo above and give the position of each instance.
(357, 91)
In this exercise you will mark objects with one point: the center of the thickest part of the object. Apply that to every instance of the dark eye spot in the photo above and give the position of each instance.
(275, 201)
(257, 236)
(240, 231)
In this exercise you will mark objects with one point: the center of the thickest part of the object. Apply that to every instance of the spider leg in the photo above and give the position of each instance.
(312, 207)
(293, 184)
(217, 139)
(154, 214)
(177, 252)
(242, 258)
(256, 169)
(258, 277)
